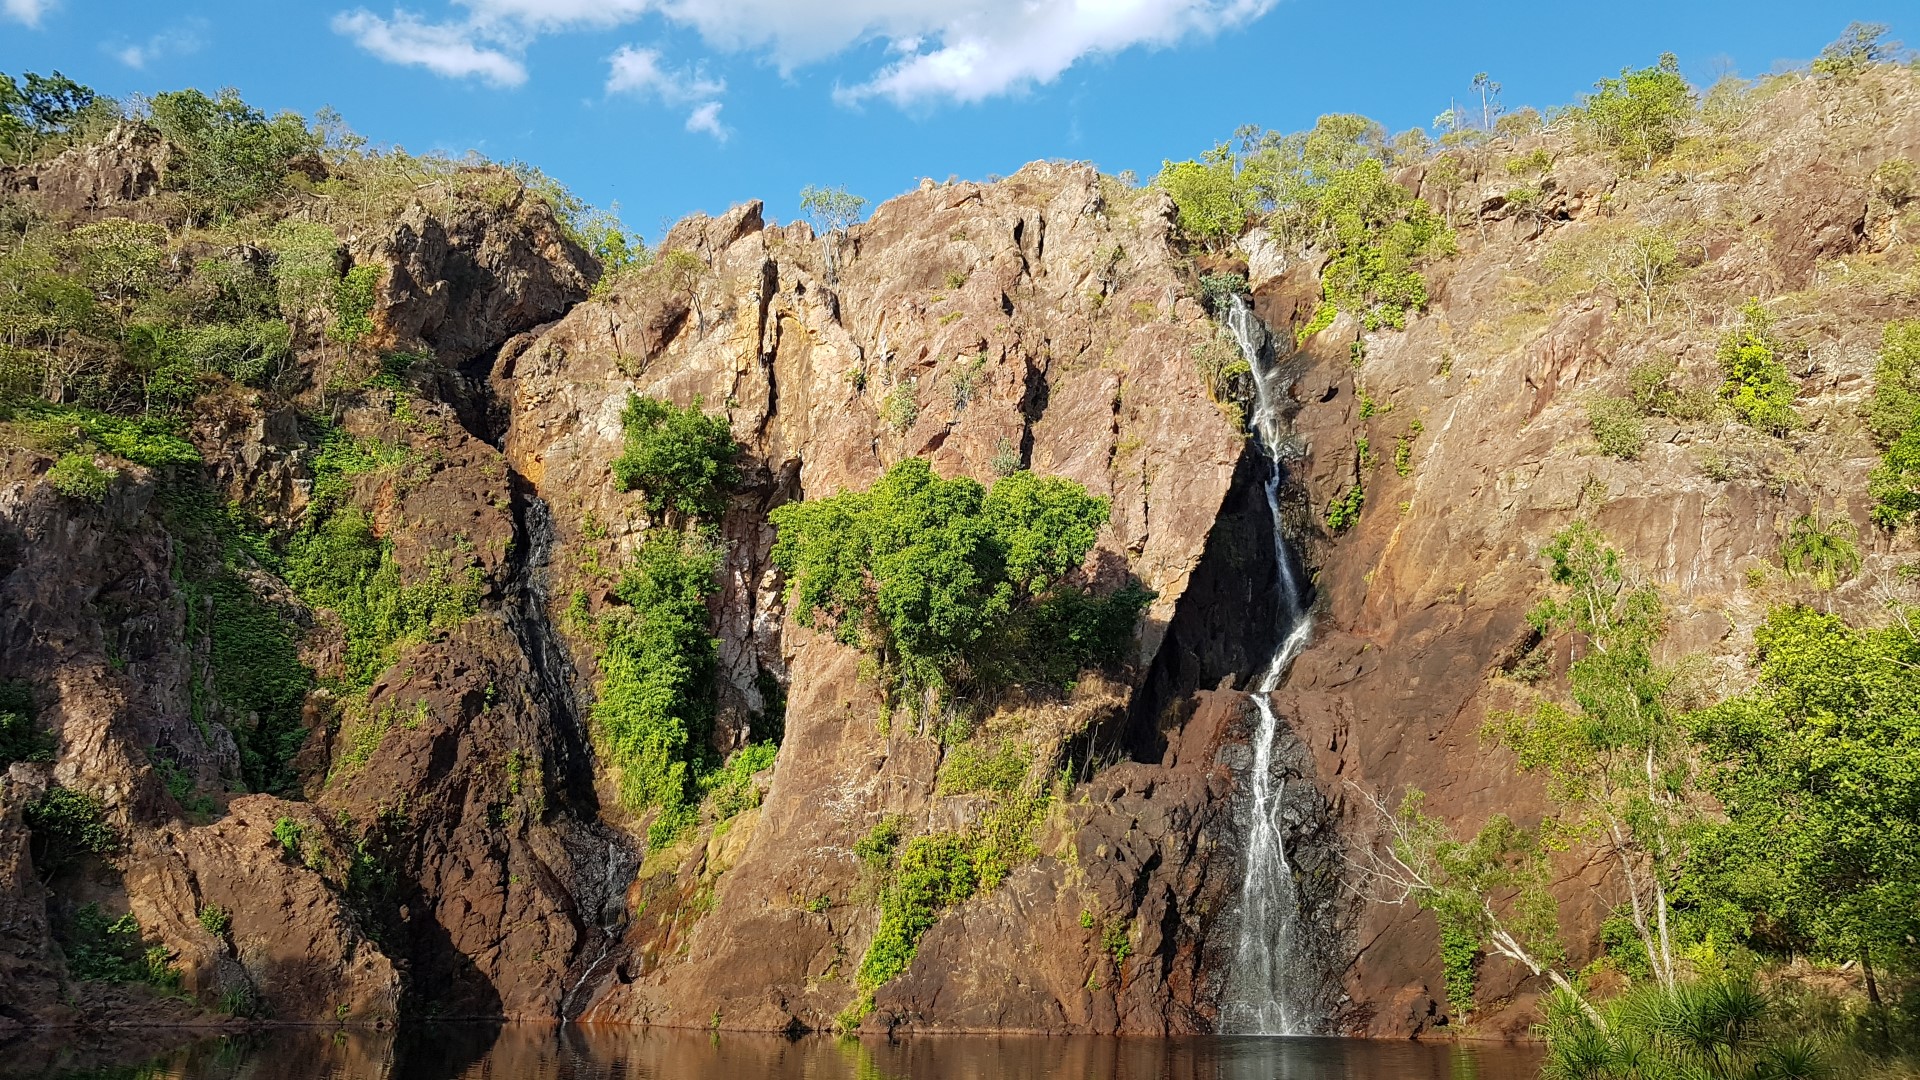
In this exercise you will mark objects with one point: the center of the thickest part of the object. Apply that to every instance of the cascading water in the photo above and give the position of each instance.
(1273, 985)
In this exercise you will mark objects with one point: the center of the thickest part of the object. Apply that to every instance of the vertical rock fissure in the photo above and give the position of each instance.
(1276, 984)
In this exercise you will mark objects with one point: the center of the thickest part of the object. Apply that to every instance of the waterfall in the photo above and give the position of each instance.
(1273, 986)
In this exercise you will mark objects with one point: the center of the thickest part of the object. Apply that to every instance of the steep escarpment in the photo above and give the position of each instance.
(1423, 621)
(319, 582)
(362, 584)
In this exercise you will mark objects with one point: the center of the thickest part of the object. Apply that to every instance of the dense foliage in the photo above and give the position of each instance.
(1758, 386)
(20, 737)
(680, 459)
(1818, 770)
(1327, 188)
(1894, 417)
(953, 584)
(1638, 115)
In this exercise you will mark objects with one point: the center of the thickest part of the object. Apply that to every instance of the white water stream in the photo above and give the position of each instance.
(1272, 986)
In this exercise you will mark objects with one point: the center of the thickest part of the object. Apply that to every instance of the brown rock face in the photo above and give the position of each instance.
(452, 845)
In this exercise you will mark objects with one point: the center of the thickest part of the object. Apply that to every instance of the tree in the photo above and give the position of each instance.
(38, 109)
(1758, 386)
(683, 271)
(833, 211)
(232, 157)
(948, 582)
(682, 459)
(1818, 769)
(1644, 261)
(1491, 890)
(1210, 196)
(1859, 48)
(1490, 107)
(1615, 762)
(1638, 115)
(1893, 415)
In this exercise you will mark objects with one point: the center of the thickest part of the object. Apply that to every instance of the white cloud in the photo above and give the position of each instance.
(177, 41)
(941, 50)
(706, 117)
(640, 71)
(26, 11)
(442, 48)
(981, 54)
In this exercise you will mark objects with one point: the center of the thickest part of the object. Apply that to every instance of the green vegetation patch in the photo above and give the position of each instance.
(950, 584)
(21, 739)
(68, 825)
(1894, 417)
(99, 949)
(680, 458)
(1758, 386)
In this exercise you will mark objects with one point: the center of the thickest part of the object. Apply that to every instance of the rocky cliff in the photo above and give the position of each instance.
(445, 841)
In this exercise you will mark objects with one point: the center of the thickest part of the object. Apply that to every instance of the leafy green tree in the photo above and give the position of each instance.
(1893, 415)
(1758, 386)
(232, 157)
(681, 459)
(39, 110)
(1615, 761)
(1489, 892)
(1818, 770)
(930, 573)
(1210, 196)
(1859, 48)
(1638, 115)
(833, 210)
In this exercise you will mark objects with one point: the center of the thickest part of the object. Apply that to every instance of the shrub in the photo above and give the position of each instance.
(290, 834)
(216, 920)
(1344, 510)
(1821, 550)
(1893, 415)
(927, 572)
(1758, 386)
(1211, 196)
(1617, 426)
(657, 664)
(68, 825)
(1859, 48)
(20, 738)
(231, 156)
(353, 299)
(1638, 115)
(1218, 290)
(114, 951)
(77, 477)
(729, 789)
(40, 113)
(900, 409)
(680, 459)
(340, 564)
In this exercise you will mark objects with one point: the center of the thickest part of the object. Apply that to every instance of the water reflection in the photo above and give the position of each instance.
(539, 1053)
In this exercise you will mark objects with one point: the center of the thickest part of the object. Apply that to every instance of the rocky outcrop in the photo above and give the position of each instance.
(452, 846)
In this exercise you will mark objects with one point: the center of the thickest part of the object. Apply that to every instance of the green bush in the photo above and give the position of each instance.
(1758, 386)
(216, 920)
(1821, 550)
(930, 573)
(20, 738)
(40, 114)
(658, 662)
(290, 834)
(353, 299)
(1617, 426)
(68, 825)
(341, 565)
(680, 459)
(1459, 963)
(1861, 47)
(729, 789)
(231, 156)
(102, 950)
(77, 477)
(1211, 196)
(1894, 417)
(1344, 511)
(1638, 115)
(1726, 1027)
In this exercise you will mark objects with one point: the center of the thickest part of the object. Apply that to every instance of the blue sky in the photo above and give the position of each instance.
(669, 106)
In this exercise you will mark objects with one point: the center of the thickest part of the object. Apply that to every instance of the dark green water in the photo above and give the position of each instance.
(532, 1053)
